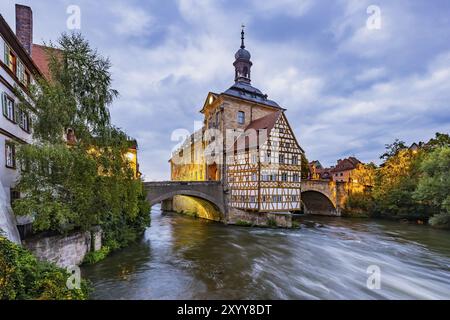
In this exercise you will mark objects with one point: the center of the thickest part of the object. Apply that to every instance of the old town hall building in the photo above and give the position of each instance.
(246, 143)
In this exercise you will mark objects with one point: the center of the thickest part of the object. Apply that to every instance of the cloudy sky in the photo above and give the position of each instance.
(349, 89)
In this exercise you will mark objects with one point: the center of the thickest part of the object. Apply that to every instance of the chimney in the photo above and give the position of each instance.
(24, 26)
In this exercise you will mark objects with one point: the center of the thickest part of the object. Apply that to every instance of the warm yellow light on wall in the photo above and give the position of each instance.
(130, 156)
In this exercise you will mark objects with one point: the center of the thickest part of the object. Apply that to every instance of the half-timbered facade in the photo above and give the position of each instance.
(247, 144)
(265, 176)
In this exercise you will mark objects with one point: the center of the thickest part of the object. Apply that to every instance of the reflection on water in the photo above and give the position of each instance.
(186, 258)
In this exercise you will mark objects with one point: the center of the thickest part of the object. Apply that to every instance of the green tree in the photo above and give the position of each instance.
(433, 189)
(305, 172)
(76, 96)
(395, 182)
(440, 140)
(90, 181)
(392, 149)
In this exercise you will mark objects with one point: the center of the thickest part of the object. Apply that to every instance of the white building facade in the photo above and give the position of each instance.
(17, 72)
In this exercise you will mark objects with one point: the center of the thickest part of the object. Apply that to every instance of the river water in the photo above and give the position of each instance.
(186, 258)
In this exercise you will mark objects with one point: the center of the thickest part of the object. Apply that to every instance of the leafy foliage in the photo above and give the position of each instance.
(76, 96)
(88, 181)
(393, 148)
(96, 256)
(22, 276)
(411, 184)
(305, 172)
(433, 188)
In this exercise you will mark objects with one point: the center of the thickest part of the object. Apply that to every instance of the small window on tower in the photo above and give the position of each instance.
(241, 117)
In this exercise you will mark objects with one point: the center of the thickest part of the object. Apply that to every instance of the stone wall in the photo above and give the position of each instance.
(262, 219)
(64, 250)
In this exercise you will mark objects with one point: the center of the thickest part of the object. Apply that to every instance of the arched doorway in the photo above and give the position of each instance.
(213, 172)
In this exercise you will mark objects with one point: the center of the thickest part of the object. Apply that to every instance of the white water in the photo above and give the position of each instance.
(7, 219)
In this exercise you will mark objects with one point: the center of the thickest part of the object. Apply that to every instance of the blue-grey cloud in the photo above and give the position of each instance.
(348, 90)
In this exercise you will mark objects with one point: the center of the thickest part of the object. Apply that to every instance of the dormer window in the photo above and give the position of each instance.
(241, 117)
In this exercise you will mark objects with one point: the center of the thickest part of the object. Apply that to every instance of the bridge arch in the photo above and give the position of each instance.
(207, 197)
(191, 193)
(316, 202)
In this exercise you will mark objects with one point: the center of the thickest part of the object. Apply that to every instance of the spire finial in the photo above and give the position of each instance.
(242, 36)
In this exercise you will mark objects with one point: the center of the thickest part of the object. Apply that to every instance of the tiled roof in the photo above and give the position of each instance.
(245, 91)
(40, 58)
(267, 122)
(346, 164)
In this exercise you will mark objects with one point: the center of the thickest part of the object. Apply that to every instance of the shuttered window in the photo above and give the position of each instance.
(8, 107)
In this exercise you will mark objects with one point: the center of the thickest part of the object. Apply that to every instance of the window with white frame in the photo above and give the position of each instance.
(24, 120)
(295, 177)
(20, 72)
(8, 107)
(10, 155)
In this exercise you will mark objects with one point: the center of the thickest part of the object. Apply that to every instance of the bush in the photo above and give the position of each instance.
(272, 223)
(96, 256)
(358, 205)
(22, 277)
(441, 220)
(243, 223)
(295, 225)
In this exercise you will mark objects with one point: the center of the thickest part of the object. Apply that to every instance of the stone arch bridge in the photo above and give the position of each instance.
(318, 196)
(211, 191)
